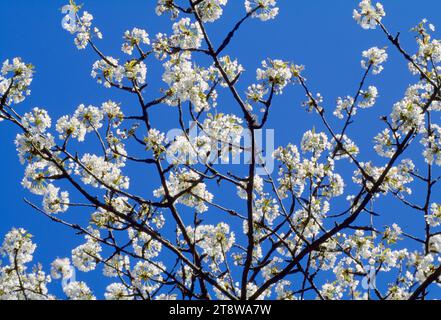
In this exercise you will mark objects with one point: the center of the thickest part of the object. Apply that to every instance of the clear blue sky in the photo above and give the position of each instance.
(319, 34)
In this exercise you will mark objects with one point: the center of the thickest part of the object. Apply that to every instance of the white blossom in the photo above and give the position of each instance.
(262, 9)
(17, 84)
(78, 290)
(133, 39)
(192, 192)
(62, 269)
(276, 74)
(368, 15)
(374, 58)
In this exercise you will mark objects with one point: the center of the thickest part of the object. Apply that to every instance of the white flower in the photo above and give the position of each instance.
(315, 143)
(116, 265)
(231, 67)
(276, 73)
(37, 121)
(375, 57)
(347, 146)
(81, 27)
(434, 218)
(215, 241)
(29, 146)
(186, 35)
(133, 39)
(407, 115)
(155, 142)
(368, 97)
(210, 10)
(20, 78)
(37, 176)
(186, 83)
(147, 276)
(117, 291)
(256, 92)
(108, 72)
(396, 181)
(345, 106)
(194, 193)
(385, 143)
(71, 127)
(432, 142)
(262, 9)
(54, 201)
(61, 268)
(85, 256)
(91, 117)
(167, 6)
(368, 16)
(435, 243)
(108, 173)
(135, 71)
(78, 290)
(18, 246)
(113, 111)
(331, 291)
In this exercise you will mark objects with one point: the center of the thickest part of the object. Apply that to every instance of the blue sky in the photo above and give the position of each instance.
(318, 34)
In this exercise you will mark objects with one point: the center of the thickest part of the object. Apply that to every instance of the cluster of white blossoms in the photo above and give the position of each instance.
(144, 245)
(432, 142)
(276, 74)
(80, 26)
(434, 218)
(396, 181)
(407, 114)
(167, 6)
(375, 57)
(232, 69)
(154, 141)
(368, 15)
(16, 282)
(54, 201)
(61, 269)
(15, 79)
(86, 256)
(98, 172)
(117, 291)
(148, 277)
(39, 173)
(369, 97)
(210, 10)
(191, 191)
(215, 241)
(386, 143)
(133, 39)
(104, 218)
(429, 50)
(187, 82)
(186, 35)
(296, 174)
(225, 130)
(347, 106)
(88, 119)
(109, 73)
(315, 143)
(262, 9)
(78, 290)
